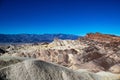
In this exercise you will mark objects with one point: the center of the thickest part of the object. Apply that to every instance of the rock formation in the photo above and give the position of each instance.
(115, 68)
(103, 37)
(40, 70)
(94, 52)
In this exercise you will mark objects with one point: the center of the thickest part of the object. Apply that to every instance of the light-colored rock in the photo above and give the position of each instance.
(115, 68)
(90, 66)
(40, 70)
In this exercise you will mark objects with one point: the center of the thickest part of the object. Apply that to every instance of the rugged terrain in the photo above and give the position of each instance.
(40, 70)
(95, 56)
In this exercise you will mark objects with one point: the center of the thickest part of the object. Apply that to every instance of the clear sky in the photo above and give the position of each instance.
(60, 16)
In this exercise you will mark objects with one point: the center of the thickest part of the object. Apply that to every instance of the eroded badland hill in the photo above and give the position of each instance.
(95, 56)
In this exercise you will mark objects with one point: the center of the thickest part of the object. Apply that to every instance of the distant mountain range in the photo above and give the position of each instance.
(31, 38)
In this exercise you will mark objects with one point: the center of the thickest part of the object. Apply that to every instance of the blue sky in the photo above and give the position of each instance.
(60, 16)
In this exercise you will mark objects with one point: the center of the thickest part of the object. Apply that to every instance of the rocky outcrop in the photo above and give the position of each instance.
(103, 37)
(115, 68)
(66, 44)
(40, 70)
(9, 60)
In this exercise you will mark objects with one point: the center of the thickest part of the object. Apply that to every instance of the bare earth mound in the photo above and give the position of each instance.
(40, 70)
